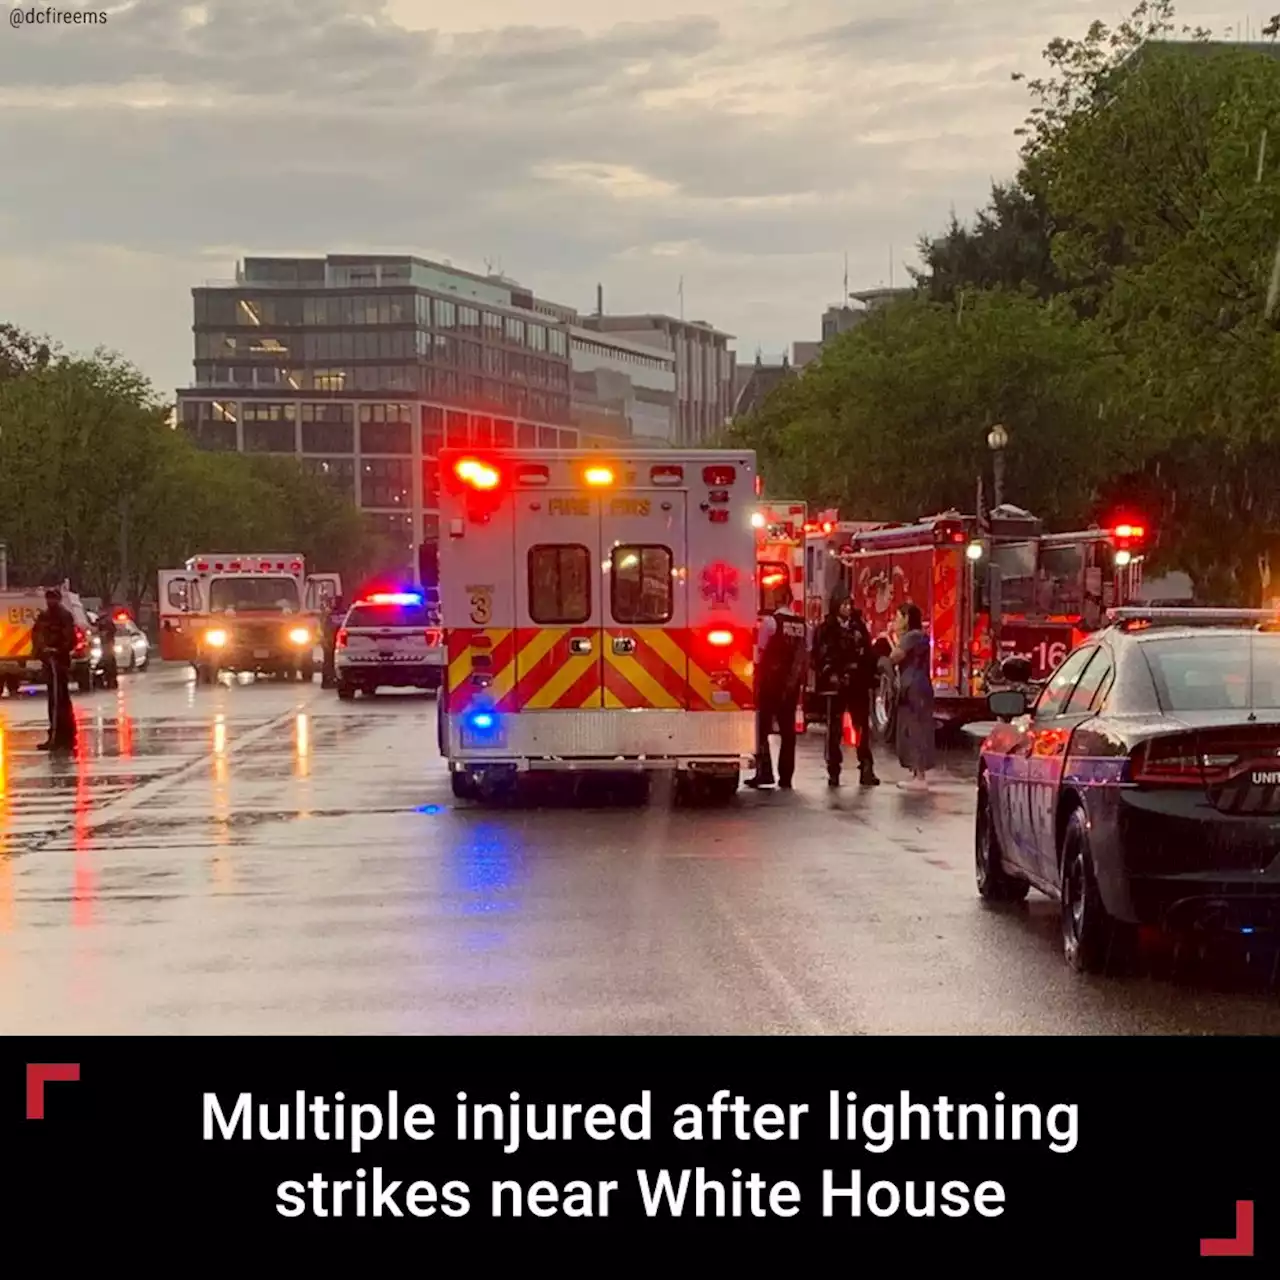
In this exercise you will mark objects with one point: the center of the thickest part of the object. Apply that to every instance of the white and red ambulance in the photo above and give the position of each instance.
(599, 614)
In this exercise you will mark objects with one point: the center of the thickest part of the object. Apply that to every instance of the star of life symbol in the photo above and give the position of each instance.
(720, 584)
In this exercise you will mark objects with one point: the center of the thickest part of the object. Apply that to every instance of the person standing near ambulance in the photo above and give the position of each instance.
(846, 665)
(781, 666)
(54, 637)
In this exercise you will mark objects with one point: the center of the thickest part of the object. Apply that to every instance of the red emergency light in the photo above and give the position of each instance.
(716, 477)
(828, 527)
(478, 475)
(121, 615)
(1136, 532)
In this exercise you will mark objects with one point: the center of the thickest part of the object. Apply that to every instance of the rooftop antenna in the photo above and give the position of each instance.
(844, 297)
(681, 293)
(891, 266)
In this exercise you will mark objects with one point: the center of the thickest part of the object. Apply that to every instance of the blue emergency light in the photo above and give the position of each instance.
(482, 720)
(396, 597)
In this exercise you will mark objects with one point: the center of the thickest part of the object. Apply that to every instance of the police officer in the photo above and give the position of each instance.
(106, 627)
(332, 625)
(54, 634)
(846, 663)
(781, 664)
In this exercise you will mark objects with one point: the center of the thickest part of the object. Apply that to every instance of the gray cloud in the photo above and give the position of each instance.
(766, 151)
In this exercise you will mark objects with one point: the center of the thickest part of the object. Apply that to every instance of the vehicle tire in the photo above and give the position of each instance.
(86, 680)
(1091, 939)
(346, 691)
(206, 674)
(307, 672)
(884, 703)
(14, 686)
(995, 884)
(463, 785)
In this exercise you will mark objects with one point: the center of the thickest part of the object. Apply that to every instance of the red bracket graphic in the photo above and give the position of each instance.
(41, 1073)
(1241, 1244)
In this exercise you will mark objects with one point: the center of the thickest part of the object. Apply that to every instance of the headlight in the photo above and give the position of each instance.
(215, 638)
(300, 635)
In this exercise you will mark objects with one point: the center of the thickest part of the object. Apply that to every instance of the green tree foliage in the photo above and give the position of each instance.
(1139, 367)
(96, 487)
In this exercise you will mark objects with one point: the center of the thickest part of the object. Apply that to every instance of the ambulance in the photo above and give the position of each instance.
(599, 614)
(258, 613)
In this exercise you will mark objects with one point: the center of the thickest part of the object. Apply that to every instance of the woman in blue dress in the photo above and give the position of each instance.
(916, 741)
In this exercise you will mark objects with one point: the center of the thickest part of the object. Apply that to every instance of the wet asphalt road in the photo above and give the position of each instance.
(261, 858)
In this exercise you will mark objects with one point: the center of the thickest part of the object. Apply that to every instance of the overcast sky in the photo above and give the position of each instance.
(745, 146)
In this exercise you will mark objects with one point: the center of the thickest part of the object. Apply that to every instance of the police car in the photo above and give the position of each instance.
(1142, 786)
(388, 640)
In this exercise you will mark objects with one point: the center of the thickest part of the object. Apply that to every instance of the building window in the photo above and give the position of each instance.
(558, 343)
(456, 430)
(385, 437)
(268, 437)
(527, 437)
(341, 472)
(430, 528)
(548, 438)
(255, 411)
(504, 433)
(430, 483)
(469, 354)
(568, 439)
(642, 585)
(536, 336)
(482, 432)
(469, 319)
(432, 429)
(386, 482)
(515, 330)
(329, 380)
(492, 325)
(396, 531)
(559, 585)
(446, 314)
(327, 437)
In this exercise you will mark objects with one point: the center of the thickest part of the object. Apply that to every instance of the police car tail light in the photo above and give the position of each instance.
(433, 638)
(1180, 760)
(340, 641)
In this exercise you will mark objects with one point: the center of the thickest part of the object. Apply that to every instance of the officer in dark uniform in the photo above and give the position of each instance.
(332, 625)
(781, 665)
(846, 664)
(106, 628)
(54, 634)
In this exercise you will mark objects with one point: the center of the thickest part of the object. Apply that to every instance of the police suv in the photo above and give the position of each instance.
(390, 640)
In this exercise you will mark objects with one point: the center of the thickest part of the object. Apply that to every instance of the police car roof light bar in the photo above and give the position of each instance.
(393, 597)
(1190, 616)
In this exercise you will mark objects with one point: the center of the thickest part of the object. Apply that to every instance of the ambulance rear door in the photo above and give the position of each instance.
(646, 666)
(180, 601)
(559, 663)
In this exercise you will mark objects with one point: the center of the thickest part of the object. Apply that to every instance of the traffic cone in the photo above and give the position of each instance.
(800, 724)
(847, 737)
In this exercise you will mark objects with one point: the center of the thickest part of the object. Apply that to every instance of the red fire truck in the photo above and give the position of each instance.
(988, 591)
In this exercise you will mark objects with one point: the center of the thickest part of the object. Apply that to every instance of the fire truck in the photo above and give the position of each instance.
(599, 614)
(989, 590)
(780, 535)
(257, 613)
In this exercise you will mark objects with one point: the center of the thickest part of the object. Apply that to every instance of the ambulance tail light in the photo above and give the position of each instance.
(534, 474)
(202, 567)
(718, 477)
(718, 516)
(666, 475)
(720, 639)
(296, 566)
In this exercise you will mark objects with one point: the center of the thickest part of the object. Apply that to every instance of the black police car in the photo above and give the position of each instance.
(1142, 786)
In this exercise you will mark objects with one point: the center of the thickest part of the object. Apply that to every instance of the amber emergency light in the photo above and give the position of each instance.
(598, 476)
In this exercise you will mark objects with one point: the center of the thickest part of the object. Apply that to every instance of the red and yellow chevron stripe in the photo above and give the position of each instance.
(541, 669)
(15, 639)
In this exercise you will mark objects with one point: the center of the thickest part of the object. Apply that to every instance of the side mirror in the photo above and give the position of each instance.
(1016, 670)
(1007, 704)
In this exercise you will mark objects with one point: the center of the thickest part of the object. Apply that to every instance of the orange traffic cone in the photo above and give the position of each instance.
(847, 737)
(800, 724)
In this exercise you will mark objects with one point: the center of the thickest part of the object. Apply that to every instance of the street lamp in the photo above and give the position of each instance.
(997, 442)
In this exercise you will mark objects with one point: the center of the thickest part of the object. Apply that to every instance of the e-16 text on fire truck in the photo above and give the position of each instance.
(599, 613)
(989, 590)
(258, 613)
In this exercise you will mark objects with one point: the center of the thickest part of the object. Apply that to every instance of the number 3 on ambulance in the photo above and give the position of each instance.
(481, 605)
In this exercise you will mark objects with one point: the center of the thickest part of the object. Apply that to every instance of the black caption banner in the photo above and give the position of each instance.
(1136, 1152)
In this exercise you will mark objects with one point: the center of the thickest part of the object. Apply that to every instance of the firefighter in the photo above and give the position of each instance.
(54, 634)
(332, 624)
(845, 663)
(106, 628)
(781, 665)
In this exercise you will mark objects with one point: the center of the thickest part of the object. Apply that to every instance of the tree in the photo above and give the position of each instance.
(21, 352)
(891, 421)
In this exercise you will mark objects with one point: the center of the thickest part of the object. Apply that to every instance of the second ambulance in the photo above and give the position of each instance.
(599, 614)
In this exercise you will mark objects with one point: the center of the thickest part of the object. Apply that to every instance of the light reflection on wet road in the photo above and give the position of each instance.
(261, 858)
